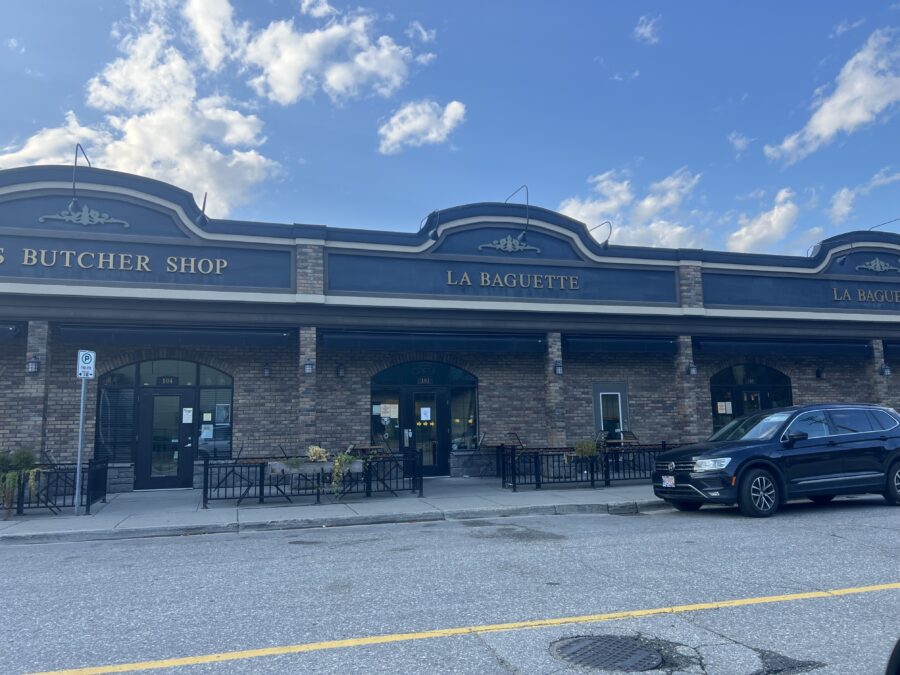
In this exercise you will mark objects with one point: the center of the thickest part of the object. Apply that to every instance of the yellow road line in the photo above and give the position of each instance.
(465, 630)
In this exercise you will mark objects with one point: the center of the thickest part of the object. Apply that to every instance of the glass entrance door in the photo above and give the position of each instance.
(428, 431)
(165, 457)
(411, 419)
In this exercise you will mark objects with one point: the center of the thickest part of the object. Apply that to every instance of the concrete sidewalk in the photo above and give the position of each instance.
(163, 513)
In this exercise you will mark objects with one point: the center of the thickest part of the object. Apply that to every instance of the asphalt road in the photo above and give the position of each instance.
(76, 605)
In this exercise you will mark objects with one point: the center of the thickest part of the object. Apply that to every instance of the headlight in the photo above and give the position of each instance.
(711, 464)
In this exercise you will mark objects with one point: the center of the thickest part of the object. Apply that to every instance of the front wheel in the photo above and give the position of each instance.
(892, 489)
(759, 494)
(687, 506)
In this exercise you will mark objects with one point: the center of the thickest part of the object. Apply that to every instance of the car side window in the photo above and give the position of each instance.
(814, 424)
(883, 420)
(850, 421)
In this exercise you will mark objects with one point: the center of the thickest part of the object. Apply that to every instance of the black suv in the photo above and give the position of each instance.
(764, 459)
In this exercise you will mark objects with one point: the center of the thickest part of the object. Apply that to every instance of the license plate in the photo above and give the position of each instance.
(668, 481)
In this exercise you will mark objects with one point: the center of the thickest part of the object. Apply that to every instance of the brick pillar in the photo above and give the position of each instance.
(877, 381)
(690, 285)
(688, 388)
(306, 388)
(553, 386)
(33, 402)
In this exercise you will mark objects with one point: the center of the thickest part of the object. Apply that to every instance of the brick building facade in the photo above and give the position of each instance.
(281, 336)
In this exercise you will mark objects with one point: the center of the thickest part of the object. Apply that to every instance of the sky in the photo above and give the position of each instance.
(764, 126)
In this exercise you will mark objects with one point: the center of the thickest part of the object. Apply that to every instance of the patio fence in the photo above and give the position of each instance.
(558, 466)
(265, 478)
(52, 486)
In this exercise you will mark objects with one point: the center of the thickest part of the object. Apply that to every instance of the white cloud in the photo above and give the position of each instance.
(317, 9)
(845, 26)
(419, 123)
(217, 34)
(416, 31)
(650, 222)
(14, 45)
(383, 66)
(646, 30)
(842, 201)
(739, 142)
(164, 106)
(54, 145)
(152, 73)
(613, 195)
(342, 58)
(868, 84)
(155, 124)
(665, 195)
(768, 227)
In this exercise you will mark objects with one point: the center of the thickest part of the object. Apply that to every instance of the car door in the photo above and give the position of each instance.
(860, 446)
(811, 462)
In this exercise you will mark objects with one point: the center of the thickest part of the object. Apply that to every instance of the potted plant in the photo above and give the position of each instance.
(315, 461)
(343, 464)
(12, 467)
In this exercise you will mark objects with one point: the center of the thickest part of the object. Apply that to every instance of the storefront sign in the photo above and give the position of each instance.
(414, 276)
(740, 290)
(144, 263)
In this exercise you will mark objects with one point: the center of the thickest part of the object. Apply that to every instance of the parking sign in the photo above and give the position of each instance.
(86, 361)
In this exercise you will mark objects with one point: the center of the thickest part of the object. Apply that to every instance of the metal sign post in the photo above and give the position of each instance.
(85, 371)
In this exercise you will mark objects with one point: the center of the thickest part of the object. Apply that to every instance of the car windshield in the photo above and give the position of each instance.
(761, 426)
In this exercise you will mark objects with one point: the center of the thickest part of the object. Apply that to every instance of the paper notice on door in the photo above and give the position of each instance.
(720, 407)
(728, 407)
(425, 414)
(206, 432)
(187, 415)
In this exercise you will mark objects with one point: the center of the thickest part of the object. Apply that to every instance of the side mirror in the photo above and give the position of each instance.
(795, 436)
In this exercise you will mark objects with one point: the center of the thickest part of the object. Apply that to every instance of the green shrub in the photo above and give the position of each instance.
(586, 449)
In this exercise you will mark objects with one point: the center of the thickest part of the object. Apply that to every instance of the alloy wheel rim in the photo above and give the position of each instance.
(762, 492)
(897, 481)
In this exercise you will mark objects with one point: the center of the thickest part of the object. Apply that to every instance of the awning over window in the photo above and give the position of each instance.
(599, 344)
(89, 336)
(845, 348)
(439, 342)
(9, 331)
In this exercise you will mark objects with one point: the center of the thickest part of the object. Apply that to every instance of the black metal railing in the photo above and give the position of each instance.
(52, 486)
(272, 478)
(558, 466)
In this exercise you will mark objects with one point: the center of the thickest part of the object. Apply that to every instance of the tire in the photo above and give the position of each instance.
(759, 495)
(821, 499)
(687, 506)
(892, 489)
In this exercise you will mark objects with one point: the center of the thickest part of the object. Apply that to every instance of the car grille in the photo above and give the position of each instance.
(681, 466)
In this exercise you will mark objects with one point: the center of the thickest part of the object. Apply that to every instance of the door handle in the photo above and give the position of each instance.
(189, 445)
(831, 443)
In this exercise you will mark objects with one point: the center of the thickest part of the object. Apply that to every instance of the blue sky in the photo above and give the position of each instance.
(762, 126)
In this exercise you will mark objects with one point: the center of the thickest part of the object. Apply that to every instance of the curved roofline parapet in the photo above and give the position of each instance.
(437, 224)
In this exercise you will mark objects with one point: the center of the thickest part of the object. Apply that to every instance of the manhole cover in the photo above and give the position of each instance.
(608, 652)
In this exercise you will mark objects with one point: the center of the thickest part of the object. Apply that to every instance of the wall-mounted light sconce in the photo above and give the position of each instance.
(339, 371)
(309, 367)
(820, 373)
(557, 367)
(33, 365)
(885, 370)
(267, 370)
(691, 368)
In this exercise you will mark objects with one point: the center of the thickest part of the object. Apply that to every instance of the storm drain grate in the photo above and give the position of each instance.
(608, 652)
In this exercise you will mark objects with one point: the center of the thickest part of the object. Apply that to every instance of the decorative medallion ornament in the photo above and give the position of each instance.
(509, 244)
(84, 217)
(878, 266)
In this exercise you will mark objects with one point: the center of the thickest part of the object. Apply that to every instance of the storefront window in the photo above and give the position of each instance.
(747, 388)
(119, 421)
(463, 420)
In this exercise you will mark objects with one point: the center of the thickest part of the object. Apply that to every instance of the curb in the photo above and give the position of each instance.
(604, 508)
